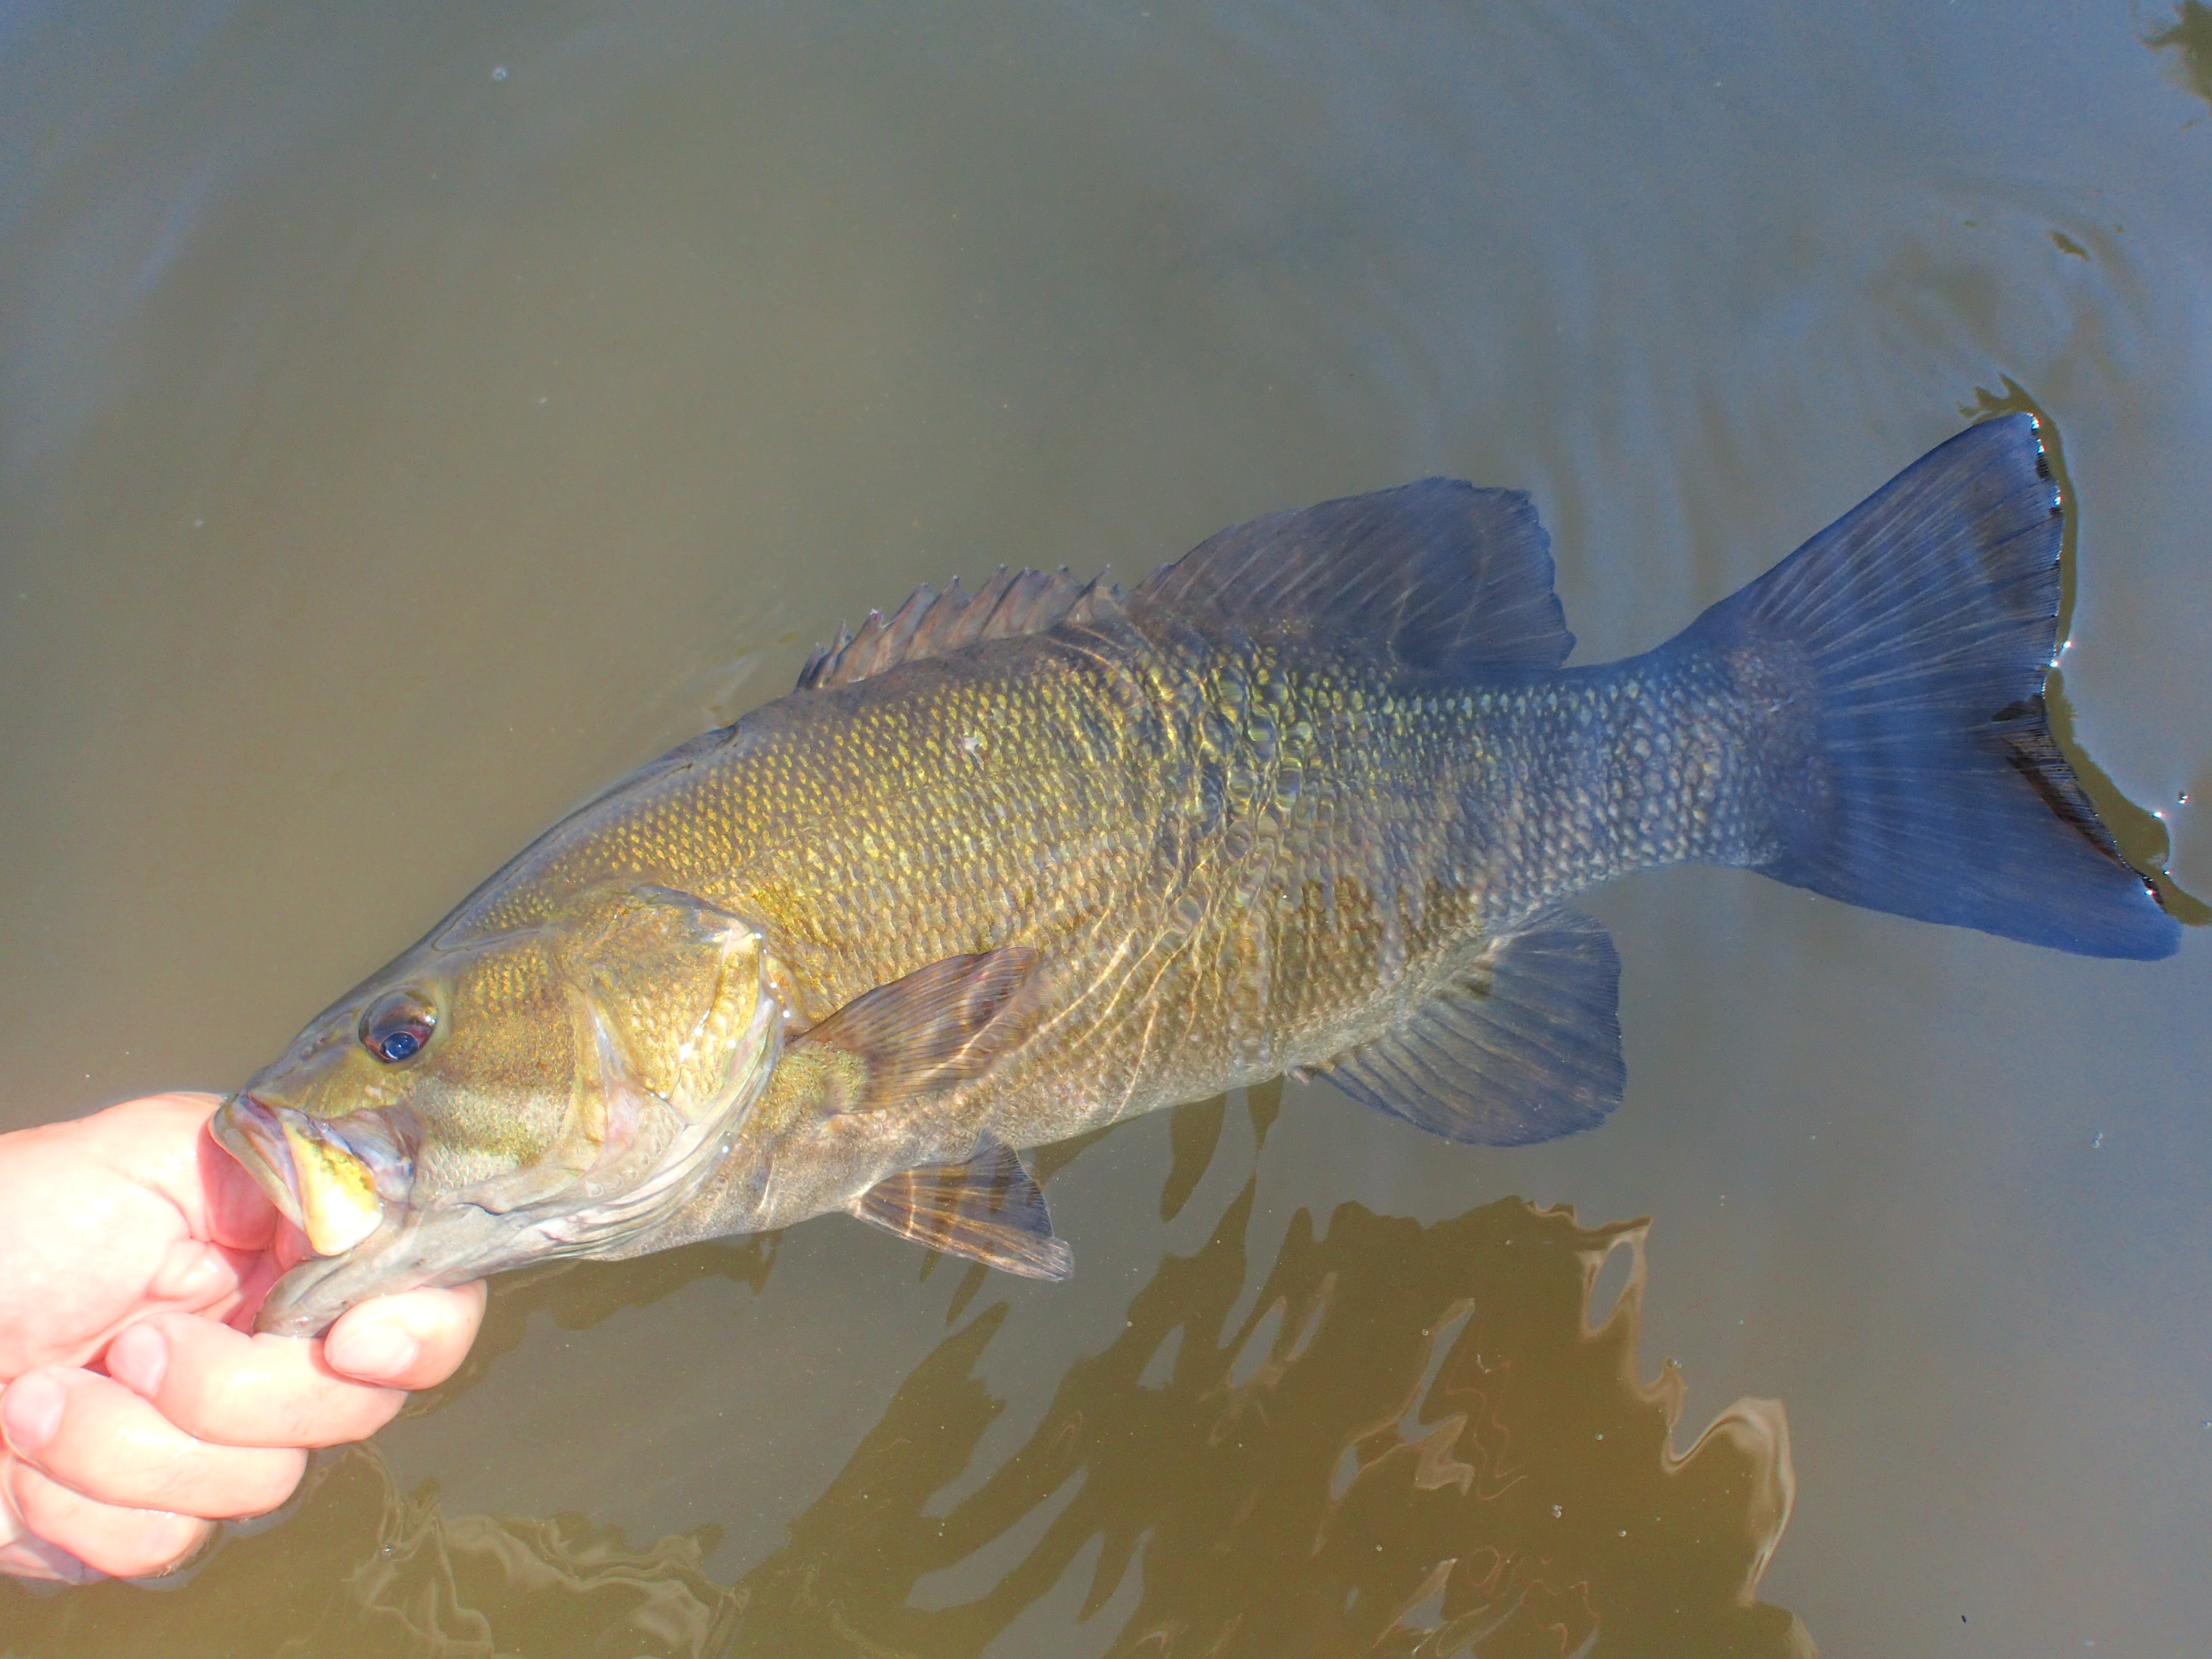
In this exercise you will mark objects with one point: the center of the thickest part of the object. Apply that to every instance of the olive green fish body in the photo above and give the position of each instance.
(1232, 858)
(1010, 866)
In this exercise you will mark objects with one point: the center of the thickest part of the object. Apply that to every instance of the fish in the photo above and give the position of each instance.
(1314, 800)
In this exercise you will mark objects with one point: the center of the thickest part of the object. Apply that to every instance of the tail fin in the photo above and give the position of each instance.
(1926, 617)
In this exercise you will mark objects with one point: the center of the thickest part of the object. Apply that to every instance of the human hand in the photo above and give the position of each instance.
(136, 1412)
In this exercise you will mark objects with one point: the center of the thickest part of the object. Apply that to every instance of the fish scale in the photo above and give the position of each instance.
(1309, 922)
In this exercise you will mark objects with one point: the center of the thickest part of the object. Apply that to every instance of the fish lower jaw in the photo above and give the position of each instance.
(317, 1182)
(252, 1135)
(339, 1207)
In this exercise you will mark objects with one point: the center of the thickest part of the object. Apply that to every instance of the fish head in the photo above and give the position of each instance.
(551, 1089)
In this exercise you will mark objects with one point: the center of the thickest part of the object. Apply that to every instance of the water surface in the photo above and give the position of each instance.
(411, 416)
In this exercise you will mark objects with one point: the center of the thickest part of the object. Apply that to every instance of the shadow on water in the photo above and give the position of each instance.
(1414, 1441)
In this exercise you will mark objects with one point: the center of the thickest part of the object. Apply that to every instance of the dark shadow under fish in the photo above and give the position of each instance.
(1390, 1438)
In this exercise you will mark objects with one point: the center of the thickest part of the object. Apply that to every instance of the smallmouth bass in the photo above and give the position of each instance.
(1313, 799)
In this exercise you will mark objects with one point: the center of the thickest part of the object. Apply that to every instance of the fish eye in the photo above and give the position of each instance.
(395, 1027)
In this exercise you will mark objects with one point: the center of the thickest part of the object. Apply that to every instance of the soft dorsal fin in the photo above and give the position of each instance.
(931, 623)
(989, 1209)
(1524, 1047)
(1447, 575)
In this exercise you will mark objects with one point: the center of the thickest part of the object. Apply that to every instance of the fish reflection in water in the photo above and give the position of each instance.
(1412, 1443)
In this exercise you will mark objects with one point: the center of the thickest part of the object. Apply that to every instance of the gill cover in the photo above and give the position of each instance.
(676, 1031)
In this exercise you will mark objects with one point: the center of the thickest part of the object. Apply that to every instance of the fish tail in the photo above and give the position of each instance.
(1910, 641)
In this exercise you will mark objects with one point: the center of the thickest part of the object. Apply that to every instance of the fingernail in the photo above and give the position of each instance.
(372, 1353)
(139, 1359)
(31, 1411)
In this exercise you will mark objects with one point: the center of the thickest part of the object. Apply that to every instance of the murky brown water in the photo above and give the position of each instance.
(411, 416)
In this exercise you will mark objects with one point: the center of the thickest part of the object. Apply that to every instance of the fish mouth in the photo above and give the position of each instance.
(331, 1178)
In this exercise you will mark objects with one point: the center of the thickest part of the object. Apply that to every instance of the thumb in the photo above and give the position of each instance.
(412, 1340)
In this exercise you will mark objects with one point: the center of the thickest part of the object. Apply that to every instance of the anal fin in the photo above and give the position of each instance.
(989, 1210)
(1525, 1046)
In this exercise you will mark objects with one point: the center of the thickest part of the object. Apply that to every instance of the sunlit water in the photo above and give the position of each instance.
(411, 416)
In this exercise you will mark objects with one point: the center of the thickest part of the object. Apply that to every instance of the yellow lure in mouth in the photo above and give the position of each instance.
(339, 1205)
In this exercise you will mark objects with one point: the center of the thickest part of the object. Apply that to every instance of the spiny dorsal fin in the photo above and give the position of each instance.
(1523, 1048)
(931, 623)
(988, 1210)
(1446, 575)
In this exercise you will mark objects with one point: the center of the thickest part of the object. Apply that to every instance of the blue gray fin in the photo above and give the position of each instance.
(989, 1210)
(1448, 577)
(1524, 1047)
(940, 1026)
(931, 623)
(1925, 620)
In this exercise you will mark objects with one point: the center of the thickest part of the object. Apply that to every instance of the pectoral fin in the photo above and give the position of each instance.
(941, 1025)
(1524, 1047)
(988, 1210)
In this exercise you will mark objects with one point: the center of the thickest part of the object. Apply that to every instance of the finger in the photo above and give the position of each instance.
(94, 1435)
(238, 1213)
(161, 1142)
(23, 1554)
(26, 1557)
(412, 1340)
(125, 1543)
(223, 1386)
